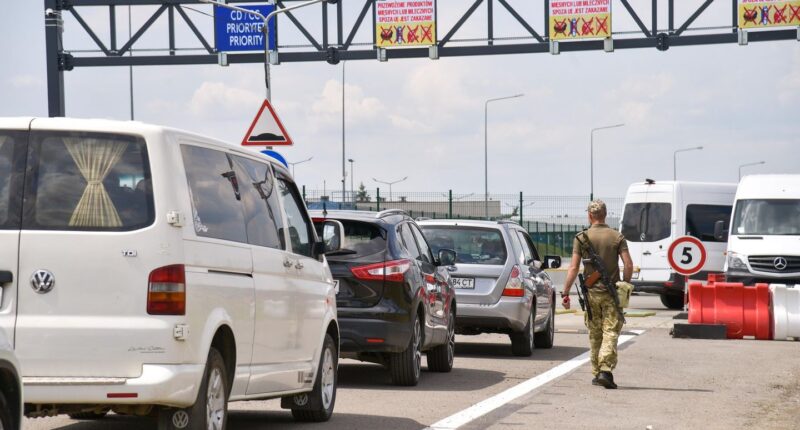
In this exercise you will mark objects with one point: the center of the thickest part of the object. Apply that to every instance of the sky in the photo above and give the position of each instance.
(424, 118)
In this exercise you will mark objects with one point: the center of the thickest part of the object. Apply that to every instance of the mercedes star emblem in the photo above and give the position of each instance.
(780, 263)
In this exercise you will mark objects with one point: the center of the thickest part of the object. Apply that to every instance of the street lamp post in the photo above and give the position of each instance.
(299, 162)
(352, 189)
(749, 164)
(390, 185)
(344, 171)
(591, 156)
(265, 19)
(486, 150)
(675, 160)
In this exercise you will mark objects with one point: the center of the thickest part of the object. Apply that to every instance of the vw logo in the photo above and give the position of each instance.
(780, 263)
(301, 399)
(43, 281)
(180, 419)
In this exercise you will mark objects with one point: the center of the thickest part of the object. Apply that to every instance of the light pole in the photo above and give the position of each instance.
(344, 171)
(591, 156)
(749, 164)
(299, 162)
(675, 160)
(390, 185)
(265, 19)
(486, 150)
(352, 189)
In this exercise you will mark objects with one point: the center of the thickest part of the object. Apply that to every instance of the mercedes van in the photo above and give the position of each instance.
(764, 234)
(158, 272)
(656, 213)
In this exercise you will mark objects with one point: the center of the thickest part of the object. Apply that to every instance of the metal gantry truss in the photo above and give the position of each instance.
(337, 40)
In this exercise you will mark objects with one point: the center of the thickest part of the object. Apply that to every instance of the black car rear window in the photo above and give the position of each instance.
(474, 245)
(361, 239)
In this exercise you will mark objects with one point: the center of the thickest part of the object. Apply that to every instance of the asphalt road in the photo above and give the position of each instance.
(484, 367)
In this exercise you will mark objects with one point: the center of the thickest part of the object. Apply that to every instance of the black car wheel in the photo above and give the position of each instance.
(406, 366)
(522, 342)
(320, 401)
(672, 301)
(210, 410)
(545, 339)
(440, 358)
(6, 421)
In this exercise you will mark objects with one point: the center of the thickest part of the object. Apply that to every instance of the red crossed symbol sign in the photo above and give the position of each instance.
(795, 13)
(602, 25)
(427, 33)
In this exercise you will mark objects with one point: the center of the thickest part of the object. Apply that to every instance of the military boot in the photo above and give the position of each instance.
(606, 379)
(595, 381)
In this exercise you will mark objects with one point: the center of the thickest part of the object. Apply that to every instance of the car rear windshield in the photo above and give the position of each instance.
(646, 222)
(473, 245)
(87, 181)
(361, 239)
(767, 217)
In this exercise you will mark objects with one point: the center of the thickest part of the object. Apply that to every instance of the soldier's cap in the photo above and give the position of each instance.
(597, 207)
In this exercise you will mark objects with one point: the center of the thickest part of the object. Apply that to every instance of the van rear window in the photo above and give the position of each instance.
(12, 170)
(646, 222)
(88, 181)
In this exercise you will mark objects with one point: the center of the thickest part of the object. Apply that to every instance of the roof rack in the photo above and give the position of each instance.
(389, 212)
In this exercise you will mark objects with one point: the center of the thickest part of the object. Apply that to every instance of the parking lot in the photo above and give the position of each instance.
(664, 383)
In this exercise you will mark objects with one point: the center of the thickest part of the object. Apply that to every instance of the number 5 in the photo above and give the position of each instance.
(687, 255)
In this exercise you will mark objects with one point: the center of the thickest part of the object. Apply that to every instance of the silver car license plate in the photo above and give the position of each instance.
(463, 283)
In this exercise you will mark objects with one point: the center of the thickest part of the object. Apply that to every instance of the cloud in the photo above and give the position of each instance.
(222, 101)
(26, 81)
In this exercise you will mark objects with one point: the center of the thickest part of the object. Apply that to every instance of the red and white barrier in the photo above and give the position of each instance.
(785, 311)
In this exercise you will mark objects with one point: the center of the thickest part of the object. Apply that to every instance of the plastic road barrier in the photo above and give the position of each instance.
(785, 311)
(744, 310)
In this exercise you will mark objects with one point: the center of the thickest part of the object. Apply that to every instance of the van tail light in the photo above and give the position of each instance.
(514, 287)
(389, 270)
(166, 291)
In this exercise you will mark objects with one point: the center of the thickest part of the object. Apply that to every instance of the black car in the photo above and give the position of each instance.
(393, 295)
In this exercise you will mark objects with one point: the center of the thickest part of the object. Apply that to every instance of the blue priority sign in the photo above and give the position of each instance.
(240, 31)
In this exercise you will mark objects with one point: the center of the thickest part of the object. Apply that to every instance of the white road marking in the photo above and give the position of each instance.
(480, 409)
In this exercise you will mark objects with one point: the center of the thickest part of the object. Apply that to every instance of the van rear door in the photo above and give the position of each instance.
(647, 226)
(86, 248)
(13, 149)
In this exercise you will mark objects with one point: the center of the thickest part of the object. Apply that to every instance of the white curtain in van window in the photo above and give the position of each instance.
(95, 158)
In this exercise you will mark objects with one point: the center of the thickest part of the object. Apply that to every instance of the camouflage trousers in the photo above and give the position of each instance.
(604, 329)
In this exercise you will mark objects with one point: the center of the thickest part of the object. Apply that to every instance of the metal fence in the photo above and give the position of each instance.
(552, 221)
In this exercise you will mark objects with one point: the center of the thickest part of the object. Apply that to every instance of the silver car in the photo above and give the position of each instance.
(499, 280)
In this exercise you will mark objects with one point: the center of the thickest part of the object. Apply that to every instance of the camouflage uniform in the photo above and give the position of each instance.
(605, 325)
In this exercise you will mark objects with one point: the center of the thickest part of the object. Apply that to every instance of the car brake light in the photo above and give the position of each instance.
(514, 287)
(166, 291)
(389, 270)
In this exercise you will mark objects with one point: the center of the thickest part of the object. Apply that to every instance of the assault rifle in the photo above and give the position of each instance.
(583, 296)
(599, 268)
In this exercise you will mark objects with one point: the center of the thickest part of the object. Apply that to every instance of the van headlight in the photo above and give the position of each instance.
(736, 262)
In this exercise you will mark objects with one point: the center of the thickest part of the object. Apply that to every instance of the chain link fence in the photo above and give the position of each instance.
(552, 221)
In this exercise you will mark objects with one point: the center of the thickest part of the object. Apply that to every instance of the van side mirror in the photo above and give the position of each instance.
(552, 262)
(720, 230)
(332, 237)
(447, 257)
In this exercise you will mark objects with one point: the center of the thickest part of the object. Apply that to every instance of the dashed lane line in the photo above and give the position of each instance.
(484, 407)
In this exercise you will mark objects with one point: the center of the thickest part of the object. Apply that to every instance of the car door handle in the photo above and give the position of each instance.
(647, 253)
(287, 263)
(6, 277)
(299, 265)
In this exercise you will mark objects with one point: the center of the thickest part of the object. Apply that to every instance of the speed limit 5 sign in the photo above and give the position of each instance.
(687, 255)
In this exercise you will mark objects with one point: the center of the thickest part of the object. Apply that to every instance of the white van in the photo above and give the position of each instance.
(764, 238)
(159, 272)
(656, 213)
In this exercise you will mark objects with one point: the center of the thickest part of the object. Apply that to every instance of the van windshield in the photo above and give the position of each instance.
(646, 222)
(767, 217)
(473, 245)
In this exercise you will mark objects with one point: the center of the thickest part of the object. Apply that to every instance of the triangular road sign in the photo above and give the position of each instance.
(267, 129)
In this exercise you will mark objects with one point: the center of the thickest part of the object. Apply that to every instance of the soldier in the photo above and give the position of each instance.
(605, 325)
